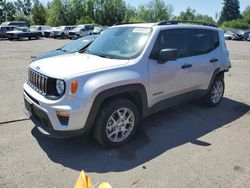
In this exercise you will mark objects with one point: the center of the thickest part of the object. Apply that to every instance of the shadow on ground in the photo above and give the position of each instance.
(158, 134)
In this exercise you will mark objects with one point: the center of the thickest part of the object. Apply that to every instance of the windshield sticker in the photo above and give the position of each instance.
(141, 30)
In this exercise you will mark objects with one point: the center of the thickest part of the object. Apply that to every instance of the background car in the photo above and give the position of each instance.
(81, 31)
(15, 23)
(72, 47)
(40, 28)
(246, 35)
(23, 32)
(62, 31)
(98, 30)
(5, 29)
(49, 32)
(229, 35)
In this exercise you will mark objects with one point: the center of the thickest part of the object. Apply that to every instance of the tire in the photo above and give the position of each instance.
(114, 114)
(29, 38)
(216, 92)
(63, 35)
(37, 37)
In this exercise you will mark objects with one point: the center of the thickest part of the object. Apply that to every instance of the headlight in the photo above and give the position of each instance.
(60, 86)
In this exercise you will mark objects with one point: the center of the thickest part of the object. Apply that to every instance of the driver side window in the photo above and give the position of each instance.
(172, 38)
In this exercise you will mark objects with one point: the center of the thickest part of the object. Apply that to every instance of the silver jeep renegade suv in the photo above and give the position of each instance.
(129, 72)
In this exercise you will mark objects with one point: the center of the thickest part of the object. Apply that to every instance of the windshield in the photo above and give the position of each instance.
(78, 44)
(20, 29)
(34, 27)
(61, 27)
(120, 42)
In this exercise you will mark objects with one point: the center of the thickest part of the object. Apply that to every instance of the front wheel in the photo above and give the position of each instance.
(116, 123)
(216, 92)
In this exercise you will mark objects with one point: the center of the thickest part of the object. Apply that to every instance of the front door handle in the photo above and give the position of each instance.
(186, 66)
(213, 60)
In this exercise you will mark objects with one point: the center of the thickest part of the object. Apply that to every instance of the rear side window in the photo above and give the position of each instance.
(174, 38)
(201, 41)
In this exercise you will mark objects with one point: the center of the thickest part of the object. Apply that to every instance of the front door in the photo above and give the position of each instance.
(171, 78)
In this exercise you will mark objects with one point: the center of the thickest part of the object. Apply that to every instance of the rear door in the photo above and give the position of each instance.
(205, 54)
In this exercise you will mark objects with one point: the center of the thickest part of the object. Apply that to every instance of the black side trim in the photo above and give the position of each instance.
(173, 101)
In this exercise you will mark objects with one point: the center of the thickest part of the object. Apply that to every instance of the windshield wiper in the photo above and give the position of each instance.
(86, 51)
(104, 55)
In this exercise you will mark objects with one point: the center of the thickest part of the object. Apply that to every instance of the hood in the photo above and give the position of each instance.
(75, 30)
(64, 66)
(16, 31)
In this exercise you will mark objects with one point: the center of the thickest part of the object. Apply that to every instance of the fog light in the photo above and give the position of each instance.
(63, 117)
(62, 113)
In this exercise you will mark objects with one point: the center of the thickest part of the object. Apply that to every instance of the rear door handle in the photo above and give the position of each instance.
(186, 66)
(213, 60)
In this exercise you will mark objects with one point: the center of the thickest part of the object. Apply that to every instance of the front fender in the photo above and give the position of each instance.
(108, 80)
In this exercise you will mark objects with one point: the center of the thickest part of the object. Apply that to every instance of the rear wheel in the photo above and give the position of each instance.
(216, 92)
(116, 123)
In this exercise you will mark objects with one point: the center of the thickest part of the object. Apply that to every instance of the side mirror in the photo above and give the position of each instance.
(168, 54)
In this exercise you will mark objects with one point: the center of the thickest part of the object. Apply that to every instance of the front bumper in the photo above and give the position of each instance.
(43, 113)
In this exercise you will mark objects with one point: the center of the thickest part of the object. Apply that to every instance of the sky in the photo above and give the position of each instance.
(209, 7)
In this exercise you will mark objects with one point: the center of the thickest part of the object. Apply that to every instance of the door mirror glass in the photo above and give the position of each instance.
(168, 54)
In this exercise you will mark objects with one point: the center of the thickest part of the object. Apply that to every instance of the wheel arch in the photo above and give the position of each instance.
(136, 93)
(216, 73)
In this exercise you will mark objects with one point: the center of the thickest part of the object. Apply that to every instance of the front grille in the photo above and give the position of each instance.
(71, 33)
(37, 81)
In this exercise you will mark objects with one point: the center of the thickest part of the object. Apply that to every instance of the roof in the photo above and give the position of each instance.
(172, 24)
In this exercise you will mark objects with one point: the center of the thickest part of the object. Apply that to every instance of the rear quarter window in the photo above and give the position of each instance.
(215, 39)
(203, 41)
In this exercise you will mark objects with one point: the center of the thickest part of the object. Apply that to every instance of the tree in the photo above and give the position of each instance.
(21, 17)
(130, 14)
(84, 20)
(155, 11)
(230, 11)
(246, 14)
(2, 17)
(106, 12)
(58, 13)
(7, 11)
(38, 13)
(190, 14)
(76, 11)
(23, 7)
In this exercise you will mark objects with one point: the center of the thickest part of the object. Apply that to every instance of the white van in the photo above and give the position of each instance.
(40, 28)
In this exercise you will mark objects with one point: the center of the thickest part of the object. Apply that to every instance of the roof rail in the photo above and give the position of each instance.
(128, 23)
(172, 22)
